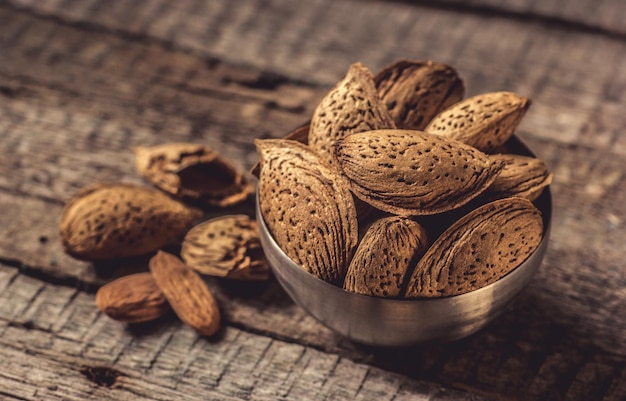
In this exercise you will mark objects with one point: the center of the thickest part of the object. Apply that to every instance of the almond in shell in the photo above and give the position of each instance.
(227, 246)
(416, 91)
(110, 221)
(478, 249)
(408, 172)
(186, 292)
(193, 171)
(522, 176)
(307, 207)
(389, 249)
(133, 298)
(484, 121)
(353, 105)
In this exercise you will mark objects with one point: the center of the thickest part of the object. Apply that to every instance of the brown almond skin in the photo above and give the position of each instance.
(484, 121)
(226, 246)
(112, 221)
(186, 292)
(352, 106)
(478, 249)
(307, 207)
(194, 171)
(412, 173)
(387, 251)
(522, 176)
(416, 91)
(134, 298)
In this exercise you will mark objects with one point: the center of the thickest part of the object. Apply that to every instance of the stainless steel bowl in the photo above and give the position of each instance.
(393, 322)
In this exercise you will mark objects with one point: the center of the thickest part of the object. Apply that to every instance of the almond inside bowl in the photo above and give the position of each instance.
(404, 322)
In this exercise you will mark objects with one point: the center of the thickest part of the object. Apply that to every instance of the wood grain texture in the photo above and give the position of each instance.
(66, 359)
(599, 16)
(81, 83)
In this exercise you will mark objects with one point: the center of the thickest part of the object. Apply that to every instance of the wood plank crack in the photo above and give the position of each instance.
(485, 10)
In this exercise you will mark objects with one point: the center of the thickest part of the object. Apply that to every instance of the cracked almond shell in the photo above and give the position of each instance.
(193, 171)
(408, 172)
(227, 246)
(307, 207)
(478, 249)
(352, 106)
(484, 121)
(416, 91)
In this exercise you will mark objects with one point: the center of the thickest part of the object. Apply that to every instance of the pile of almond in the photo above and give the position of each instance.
(119, 220)
(399, 187)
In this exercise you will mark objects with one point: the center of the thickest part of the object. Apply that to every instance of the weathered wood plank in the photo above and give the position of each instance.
(113, 115)
(603, 16)
(550, 321)
(75, 97)
(87, 147)
(551, 65)
(105, 360)
(599, 16)
(302, 38)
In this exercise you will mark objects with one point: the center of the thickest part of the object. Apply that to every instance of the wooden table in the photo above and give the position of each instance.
(83, 81)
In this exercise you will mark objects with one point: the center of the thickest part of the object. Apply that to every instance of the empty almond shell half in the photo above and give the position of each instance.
(193, 171)
(227, 246)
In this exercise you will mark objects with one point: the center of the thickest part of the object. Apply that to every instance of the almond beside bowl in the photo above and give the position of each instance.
(404, 322)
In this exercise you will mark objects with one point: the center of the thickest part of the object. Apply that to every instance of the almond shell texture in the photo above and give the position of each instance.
(416, 91)
(300, 134)
(522, 176)
(478, 249)
(227, 246)
(307, 207)
(484, 121)
(110, 221)
(352, 106)
(188, 170)
(407, 172)
(389, 249)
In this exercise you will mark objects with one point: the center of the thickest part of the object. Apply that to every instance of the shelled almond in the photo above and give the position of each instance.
(134, 298)
(186, 292)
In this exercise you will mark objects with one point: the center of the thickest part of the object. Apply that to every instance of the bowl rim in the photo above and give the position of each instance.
(546, 209)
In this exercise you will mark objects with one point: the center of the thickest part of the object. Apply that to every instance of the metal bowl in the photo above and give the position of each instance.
(394, 322)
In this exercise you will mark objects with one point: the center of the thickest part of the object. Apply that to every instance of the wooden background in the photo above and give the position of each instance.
(83, 81)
